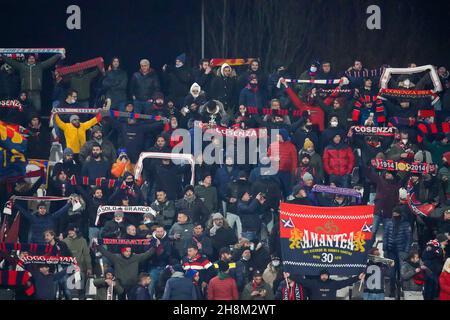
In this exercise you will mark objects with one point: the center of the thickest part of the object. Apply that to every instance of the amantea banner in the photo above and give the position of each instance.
(316, 238)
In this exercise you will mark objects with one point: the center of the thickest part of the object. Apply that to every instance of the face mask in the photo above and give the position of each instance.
(276, 263)
(313, 69)
(147, 222)
(253, 85)
(404, 141)
(334, 124)
(159, 103)
(252, 247)
(129, 183)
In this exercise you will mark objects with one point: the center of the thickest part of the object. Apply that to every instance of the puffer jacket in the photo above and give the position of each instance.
(288, 155)
(144, 86)
(31, 75)
(399, 241)
(338, 159)
(76, 137)
(444, 283)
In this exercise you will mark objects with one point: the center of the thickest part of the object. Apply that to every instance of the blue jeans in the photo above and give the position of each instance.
(377, 219)
(154, 272)
(373, 296)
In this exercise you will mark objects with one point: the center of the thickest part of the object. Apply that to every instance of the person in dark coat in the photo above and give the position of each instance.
(193, 206)
(9, 82)
(68, 165)
(115, 85)
(220, 233)
(168, 178)
(178, 287)
(251, 95)
(96, 166)
(142, 290)
(178, 79)
(201, 240)
(224, 87)
(132, 135)
(164, 256)
(42, 220)
(299, 196)
(143, 84)
(248, 210)
(165, 209)
(39, 139)
(46, 283)
(108, 149)
(254, 68)
(203, 74)
(115, 228)
(324, 288)
(386, 197)
(397, 241)
(433, 258)
(224, 175)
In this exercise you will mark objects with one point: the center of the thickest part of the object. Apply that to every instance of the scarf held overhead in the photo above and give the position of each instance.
(17, 279)
(96, 62)
(32, 50)
(414, 167)
(132, 209)
(38, 249)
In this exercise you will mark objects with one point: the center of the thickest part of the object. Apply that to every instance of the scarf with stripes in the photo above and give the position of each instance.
(376, 102)
(414, 167)
(293, 293)
(38, 249)
(31, 50)
(17, 279)
(77, 67)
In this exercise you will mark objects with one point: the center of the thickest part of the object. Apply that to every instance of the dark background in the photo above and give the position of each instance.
(293, 31)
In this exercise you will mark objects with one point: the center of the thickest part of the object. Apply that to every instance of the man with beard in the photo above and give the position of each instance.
(251, 95)
(254, 68)
(200, 240)
(158, 107)
(224, 87)
(96, 166)
(203, 75)
(207, 193)
(68, 164)
(413, 273)
(162, 258)
(75, 132)
(143, 85)
(220, 233)
(193, 206)
(108, 149)
(115, 85)
(165, 209)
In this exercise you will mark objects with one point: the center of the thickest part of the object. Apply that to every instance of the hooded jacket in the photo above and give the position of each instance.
(76, 137)
(178, 287)
(224, 89)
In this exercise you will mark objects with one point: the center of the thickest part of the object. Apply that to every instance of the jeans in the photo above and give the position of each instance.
(154, 272)
(377, 220)
(373, 296)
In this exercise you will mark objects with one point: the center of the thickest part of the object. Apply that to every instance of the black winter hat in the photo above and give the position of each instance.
(189, 187)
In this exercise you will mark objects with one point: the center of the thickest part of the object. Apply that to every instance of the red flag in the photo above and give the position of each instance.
(12, 235)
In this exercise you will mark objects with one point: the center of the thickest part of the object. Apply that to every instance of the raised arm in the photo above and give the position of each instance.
(51, 61)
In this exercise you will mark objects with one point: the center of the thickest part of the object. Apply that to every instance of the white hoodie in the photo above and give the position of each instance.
(222, 68)
(195, 85)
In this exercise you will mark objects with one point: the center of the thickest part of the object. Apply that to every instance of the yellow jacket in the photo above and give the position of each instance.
(76, 137)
